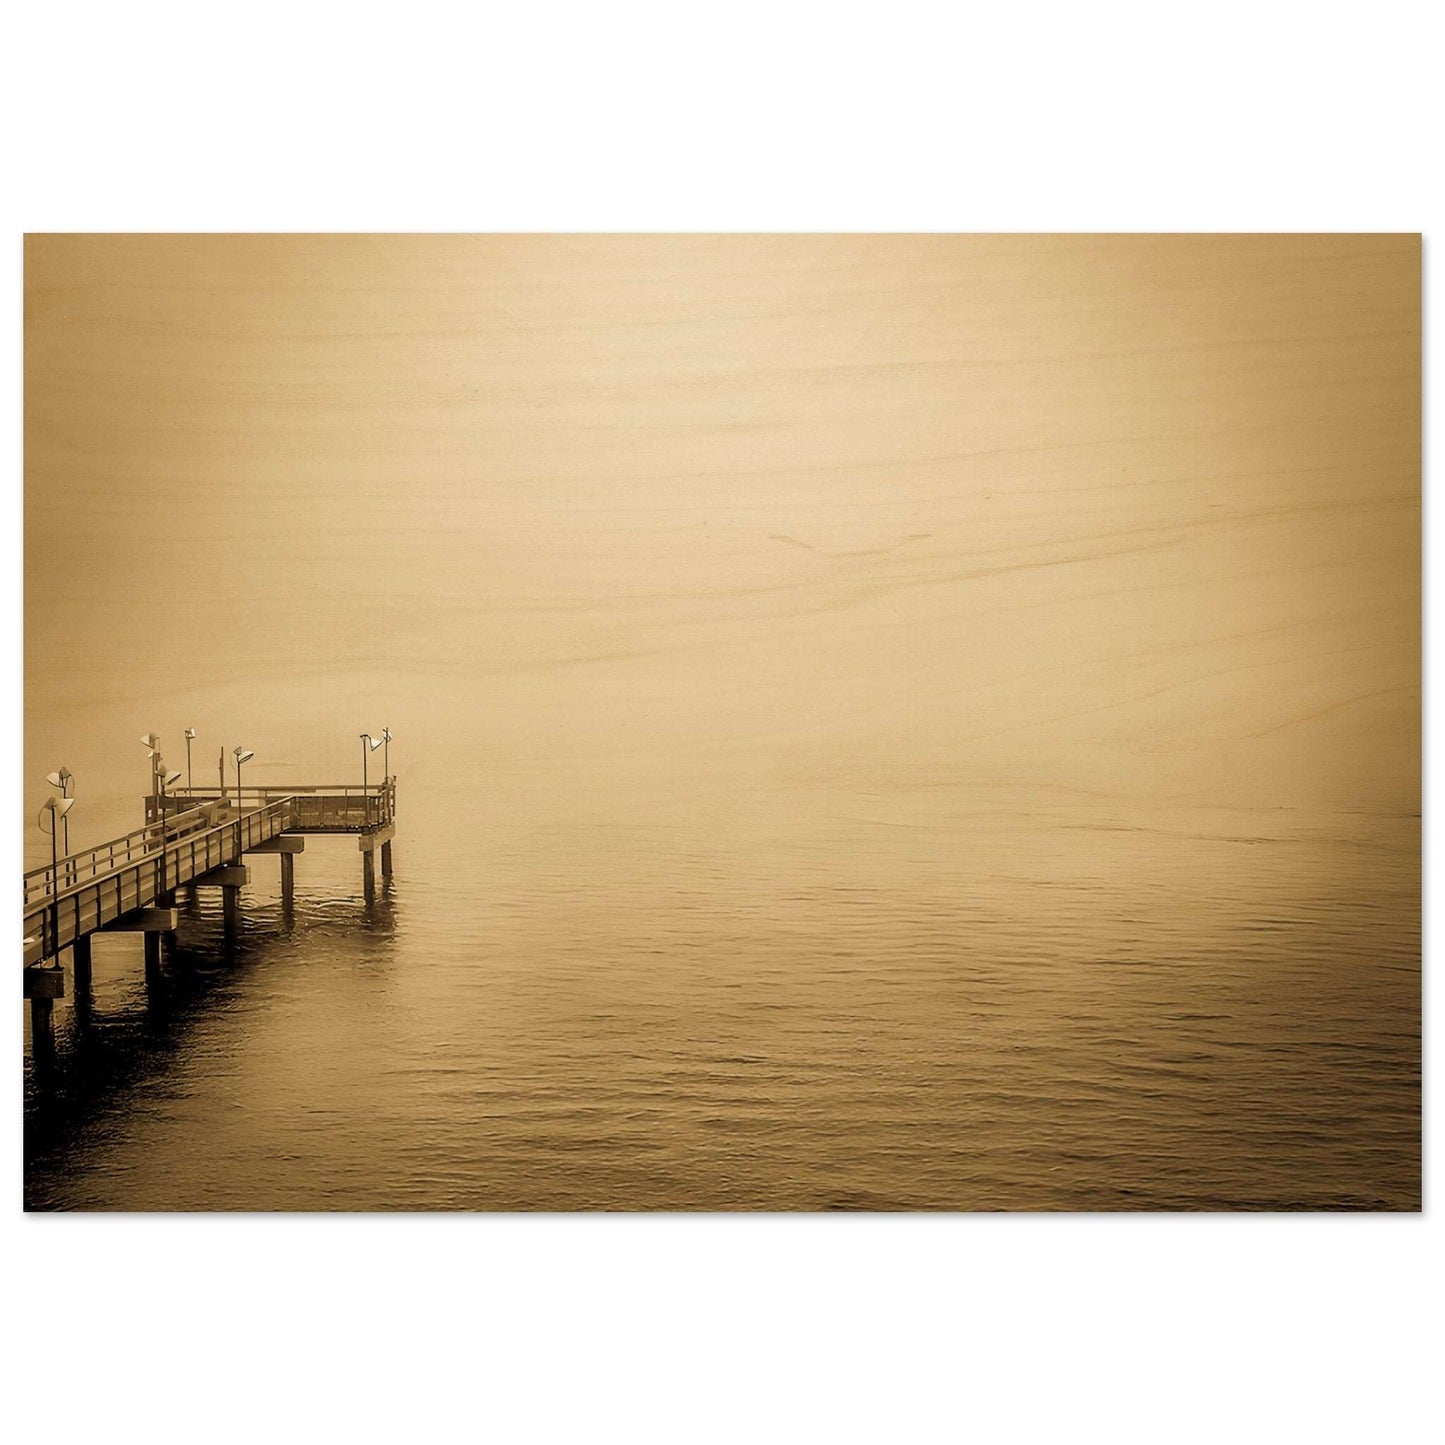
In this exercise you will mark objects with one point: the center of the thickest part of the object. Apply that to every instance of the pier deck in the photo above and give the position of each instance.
(192, 837)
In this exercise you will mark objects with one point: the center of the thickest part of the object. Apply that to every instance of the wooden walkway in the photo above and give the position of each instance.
(197, 838)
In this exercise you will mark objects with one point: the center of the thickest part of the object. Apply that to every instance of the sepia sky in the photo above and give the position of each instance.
(1061, 518)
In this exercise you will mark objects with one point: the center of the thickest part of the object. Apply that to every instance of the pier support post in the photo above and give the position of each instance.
(369, 842)
(80, 959)
(288, 845)
(43, 985)
(153, 959)
(229, 880)
(42, 1034)
(152, 922)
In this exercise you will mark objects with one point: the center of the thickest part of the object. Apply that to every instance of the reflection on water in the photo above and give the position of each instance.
(1082, 1018)
(119, 1040)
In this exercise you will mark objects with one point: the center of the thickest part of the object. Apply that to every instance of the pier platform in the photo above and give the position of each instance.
(191, 838)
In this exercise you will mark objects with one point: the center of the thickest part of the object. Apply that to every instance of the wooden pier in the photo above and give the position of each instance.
(195, 838)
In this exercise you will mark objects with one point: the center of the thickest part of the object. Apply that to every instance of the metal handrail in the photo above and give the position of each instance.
(62, 917)
(330, 804)
(77, 868)
(288, 789)
(139, 845)
(344, 807)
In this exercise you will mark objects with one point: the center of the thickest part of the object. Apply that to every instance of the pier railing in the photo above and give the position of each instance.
(317, 808)
(187, 833)
(87, 890)
(41, 884)
(345, 809)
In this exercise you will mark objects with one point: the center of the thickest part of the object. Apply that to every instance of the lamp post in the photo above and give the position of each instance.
(62, 779)
(190, 734)
(165, 780)
(369, 745)
(243, 755)
(152, 744)
(52, 808)
(386, 768)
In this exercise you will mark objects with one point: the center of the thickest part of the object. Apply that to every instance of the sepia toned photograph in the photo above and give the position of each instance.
(748, 722)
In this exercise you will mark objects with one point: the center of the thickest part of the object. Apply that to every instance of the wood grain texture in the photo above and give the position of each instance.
(1090, 515)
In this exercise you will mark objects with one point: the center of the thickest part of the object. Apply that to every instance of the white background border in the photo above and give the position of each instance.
(277, 117)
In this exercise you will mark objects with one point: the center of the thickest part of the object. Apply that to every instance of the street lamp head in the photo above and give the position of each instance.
(172, 778)
(386, 735)
(151, 741)
(190, 732)
(372, 743)
(51, 811)
(243, 755)
(60, 778)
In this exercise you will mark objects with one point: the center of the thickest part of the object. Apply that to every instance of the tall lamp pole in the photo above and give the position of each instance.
(165, 780)
(62, 779)
(386, 768)
(152, 745)
(190, 734)
(243, 755)
(369, 745)
(52, 807)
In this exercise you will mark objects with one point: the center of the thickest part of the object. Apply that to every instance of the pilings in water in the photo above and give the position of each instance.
(81, 963)
(152, 923)
(220, 848)
(80, 967)
(44, 983)
(288, 845)
(230, 881)
(378, 840)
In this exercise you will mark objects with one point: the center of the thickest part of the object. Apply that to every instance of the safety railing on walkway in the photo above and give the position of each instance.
(319, 808)
(132, 872)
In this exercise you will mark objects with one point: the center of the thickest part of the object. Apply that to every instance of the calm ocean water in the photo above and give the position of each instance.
(881, 723)
(731, 1004)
